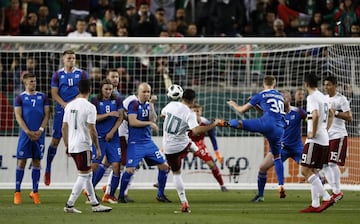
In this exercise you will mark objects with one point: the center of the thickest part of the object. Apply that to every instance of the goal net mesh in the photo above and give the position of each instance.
(217, 72)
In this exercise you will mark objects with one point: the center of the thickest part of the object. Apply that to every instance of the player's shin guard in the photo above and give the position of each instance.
(50, 157)
(279, 169)
(35, 174)
(162, 178)
(261, 181)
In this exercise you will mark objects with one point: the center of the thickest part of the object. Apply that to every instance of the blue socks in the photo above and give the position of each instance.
(114, 183)
(162, 178)
(125, 179)
(35, 178)
(261, 183)
(99, 173)
(279, 169)
(50, 157)
(19, 178)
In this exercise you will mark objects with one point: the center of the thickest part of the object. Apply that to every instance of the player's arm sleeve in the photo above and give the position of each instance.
(91, 119)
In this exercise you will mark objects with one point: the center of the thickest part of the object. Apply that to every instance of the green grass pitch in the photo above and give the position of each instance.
(207, 206)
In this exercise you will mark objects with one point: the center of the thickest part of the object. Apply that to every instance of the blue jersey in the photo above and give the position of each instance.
(292, 134)
(139, 134)
(32, 109)
(67, 83)
(272, 104)
(105, 106)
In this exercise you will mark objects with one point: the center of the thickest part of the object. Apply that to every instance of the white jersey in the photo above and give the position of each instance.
(318, 101)
(179, 119)
(123, 129)
(337, 128)
(78, 114)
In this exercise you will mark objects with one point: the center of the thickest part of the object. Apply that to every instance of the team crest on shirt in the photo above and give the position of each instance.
(62, 76)
(26, 98)
(77, 76)
(101, 104)
(292, 117)
(39, 97)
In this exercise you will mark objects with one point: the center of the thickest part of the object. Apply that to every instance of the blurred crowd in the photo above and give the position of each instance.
(178, 18)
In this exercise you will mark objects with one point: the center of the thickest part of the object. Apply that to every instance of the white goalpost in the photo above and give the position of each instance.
(218, 69)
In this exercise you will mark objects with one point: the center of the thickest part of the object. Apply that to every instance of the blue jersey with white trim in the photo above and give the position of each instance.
(272, 104)
(32, 106)
(292, 134)
(67, 83)
(106, 106)
(142, 110)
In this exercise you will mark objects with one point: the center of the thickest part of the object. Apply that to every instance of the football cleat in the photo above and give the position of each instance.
(129, 200)
(223, 123)
(224, 189)
(282, 193)
(109, 199)
(17, 198)
(310, 209)
(163, 199)
(35, 197)
(100, 208)
(185, 207)
(326, 204)
(337, 197)
(71, 209)
(125, 200)
(258, 198)
(156, 185)
(47, 178)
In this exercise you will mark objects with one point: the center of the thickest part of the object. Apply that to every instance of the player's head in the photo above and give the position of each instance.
(189, 96)
(29, 81)
(287, 96)
(197, 108)
(299, 94)
(84, 86)
(311, 80)
(269, 81)
(330, 84)
(114, 76)
(69, 59)
(106, 89)
(144, 92)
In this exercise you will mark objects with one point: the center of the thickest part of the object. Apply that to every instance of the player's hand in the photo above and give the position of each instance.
(67, 151)
(114, 114)
(154, 127)
(153, 98)
(310, 135)
(109, 136)
(219, 157)
(223, 123)
(232, 103)
(98, 153)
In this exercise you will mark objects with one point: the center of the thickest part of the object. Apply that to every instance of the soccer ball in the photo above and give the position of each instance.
(175, 92)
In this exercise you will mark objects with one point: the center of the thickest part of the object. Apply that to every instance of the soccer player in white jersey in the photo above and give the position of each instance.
(317, 144)
(337, 136)
(79, 133)
(179, 119)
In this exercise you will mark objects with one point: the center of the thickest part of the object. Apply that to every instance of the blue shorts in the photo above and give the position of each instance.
(271, 131)
(148, 151)
(294, 153)
(58, 120)
(28, 149)
(111, 149)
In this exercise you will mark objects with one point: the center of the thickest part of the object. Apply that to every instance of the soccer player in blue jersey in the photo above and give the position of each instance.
(108, 119)
(32, 113)
(64, 88)
(271, 123)
(142, 117)
(291, 144)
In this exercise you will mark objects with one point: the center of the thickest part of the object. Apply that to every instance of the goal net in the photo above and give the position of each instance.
(218, 69)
